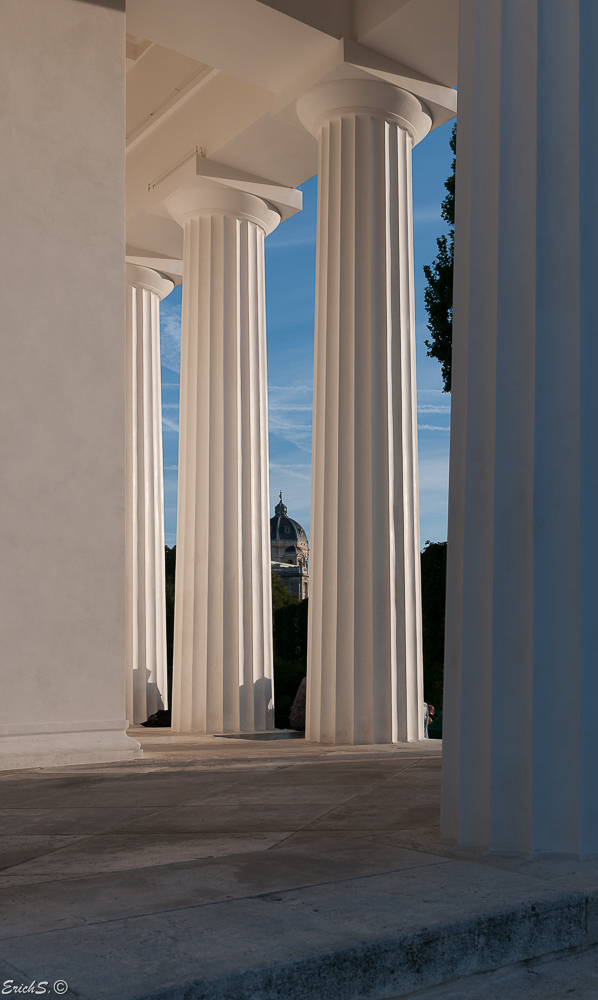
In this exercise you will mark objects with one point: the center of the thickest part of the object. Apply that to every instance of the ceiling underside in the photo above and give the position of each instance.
(219, 79)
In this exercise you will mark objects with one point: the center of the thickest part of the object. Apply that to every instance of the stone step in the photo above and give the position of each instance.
(573, 977)
(367, 938)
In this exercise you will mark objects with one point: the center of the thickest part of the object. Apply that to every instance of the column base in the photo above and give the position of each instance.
(61, 743)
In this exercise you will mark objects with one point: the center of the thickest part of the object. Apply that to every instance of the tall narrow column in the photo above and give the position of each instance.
(364, 661)
(520, 771)
(223, 675)
(146, 604)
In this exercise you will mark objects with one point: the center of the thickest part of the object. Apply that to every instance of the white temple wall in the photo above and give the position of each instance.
(62, 383)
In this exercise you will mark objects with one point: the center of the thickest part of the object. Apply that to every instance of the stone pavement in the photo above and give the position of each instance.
(217, 869)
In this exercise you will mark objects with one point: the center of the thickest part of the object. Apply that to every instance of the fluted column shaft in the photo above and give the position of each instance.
(146, 604)
(365, 660)
(520, 769)
(223, 673)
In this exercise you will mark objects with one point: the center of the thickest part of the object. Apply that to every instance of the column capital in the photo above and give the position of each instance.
(370, 97)
(201, 197)
(145, 277)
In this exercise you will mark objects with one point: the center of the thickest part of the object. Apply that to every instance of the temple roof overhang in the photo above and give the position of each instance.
(212, 89)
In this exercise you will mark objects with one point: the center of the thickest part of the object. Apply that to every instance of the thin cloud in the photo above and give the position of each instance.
(287, 405)
(294, 465)
(290, 388)
(170, 336)
(433, 474)
(288, 242)
(427, 213)
(432, 408)
(306, 407)
(431, 427)
(297, 434)
(292, 470)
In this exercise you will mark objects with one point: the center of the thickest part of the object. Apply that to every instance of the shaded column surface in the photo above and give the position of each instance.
(364, 660)
(223, 675)
(520, 755)
(146, 600)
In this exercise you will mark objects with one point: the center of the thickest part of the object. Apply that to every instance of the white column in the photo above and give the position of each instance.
(223, 675)
(364, 661)
(520, 754)
(146, 602)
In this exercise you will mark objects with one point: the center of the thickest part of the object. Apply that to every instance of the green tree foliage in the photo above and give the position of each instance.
(433, 566)
(170, 567)
(280, 594)
(289, 620)
(290, 631)
(288, 675)
(170, 564)
(438, 295)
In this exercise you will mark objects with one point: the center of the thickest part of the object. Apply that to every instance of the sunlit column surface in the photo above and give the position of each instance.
(146, 604)
(520, 771)
(365, 658)
(223, 675)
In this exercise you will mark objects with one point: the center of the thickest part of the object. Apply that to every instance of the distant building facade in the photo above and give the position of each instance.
(290, 552)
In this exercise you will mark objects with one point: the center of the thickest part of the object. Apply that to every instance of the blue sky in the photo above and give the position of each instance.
(290, 286)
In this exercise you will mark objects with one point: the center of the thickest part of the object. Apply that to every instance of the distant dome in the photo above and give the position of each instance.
(285, 529)
(290, 552)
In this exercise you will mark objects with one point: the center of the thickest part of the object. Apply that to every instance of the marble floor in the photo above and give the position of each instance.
(192, 870)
